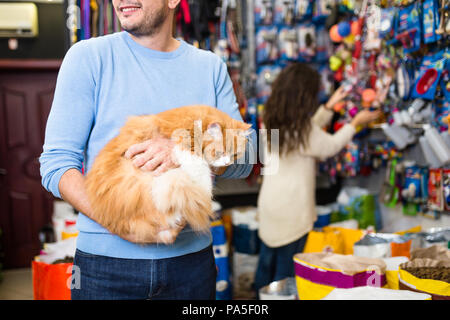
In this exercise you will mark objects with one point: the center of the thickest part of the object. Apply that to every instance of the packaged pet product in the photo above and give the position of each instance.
(317, 274)
(430, 16)
(266, 44)
(432, 237)
(387, 20)
(412, 186)
(349, 236)
(284, 12)
(445, 81)
(427, 272)
(220, 249)
(356, 203)
(333, 239)
(319, 241)
(263, 12)
(244, 269)
(428, 79)
(408, 29)
(62, 213)
(52, 270)
(322, 9)
(442, 112)
(288, 44)
(303, 9)
(50, 280)
(446, 182)
(245, 230)
(324, 47)
(306, 34)
(326, 83)
(392, 267)
(435, 192)
(381, 245)
(412, 189)
(266, 75)
(373, 293)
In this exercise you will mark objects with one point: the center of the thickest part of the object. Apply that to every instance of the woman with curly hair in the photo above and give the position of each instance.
(286, 203)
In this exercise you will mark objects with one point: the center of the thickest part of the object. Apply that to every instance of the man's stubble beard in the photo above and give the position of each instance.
(150, 25)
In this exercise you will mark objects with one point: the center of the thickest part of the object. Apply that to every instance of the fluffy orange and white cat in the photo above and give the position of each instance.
(138, 205)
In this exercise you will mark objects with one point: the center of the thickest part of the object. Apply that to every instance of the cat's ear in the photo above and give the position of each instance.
(247, 131)
(214, 130)
(247, 126)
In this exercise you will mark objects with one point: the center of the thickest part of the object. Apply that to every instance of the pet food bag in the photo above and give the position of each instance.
(333, 239)
(434, 236)
(392, 267)
(244, 269)
(245, 230)
(52, 270)
(373, 293)
(51, 281)
(221, 249)
(382, 245)
(317, 274)
(427, 272)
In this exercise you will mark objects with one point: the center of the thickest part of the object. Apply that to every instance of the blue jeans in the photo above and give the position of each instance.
(276, 263)
(188, 277)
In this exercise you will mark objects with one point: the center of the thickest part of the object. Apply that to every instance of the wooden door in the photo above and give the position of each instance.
(25, 207)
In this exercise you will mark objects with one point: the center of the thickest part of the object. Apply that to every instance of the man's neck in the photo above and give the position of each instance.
(160, 41)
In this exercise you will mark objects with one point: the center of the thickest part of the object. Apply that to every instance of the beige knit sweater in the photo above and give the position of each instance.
(286, 202)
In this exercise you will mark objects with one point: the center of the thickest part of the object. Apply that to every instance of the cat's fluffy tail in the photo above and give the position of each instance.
(185, 193)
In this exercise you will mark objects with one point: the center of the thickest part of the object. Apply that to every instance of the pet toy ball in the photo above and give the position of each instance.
(368, 96)
(349, 40)
(335, 63)
(334, 34)
(339, 106)
(344, 29)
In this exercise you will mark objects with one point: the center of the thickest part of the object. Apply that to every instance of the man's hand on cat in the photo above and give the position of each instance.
(153, 155)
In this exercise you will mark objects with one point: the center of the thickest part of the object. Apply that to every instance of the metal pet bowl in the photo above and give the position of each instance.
(285, 289)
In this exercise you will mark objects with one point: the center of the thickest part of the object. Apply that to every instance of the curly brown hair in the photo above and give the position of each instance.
(292, 103)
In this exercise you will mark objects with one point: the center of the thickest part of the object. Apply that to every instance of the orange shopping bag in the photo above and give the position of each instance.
(51, 281)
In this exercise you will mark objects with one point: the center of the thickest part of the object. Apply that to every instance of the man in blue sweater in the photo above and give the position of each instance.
(102, 81)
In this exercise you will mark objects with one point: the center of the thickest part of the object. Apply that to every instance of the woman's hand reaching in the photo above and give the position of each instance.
(337, 96)
(365, 116)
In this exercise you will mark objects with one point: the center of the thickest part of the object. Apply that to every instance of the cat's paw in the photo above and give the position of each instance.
(166, 236)
(176, 220)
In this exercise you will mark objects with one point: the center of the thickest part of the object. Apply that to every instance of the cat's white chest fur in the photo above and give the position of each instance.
(193, 170)
(196, 167)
